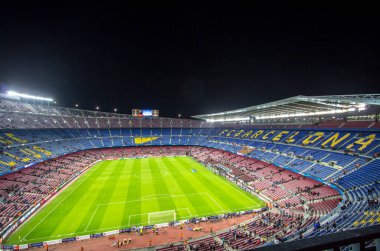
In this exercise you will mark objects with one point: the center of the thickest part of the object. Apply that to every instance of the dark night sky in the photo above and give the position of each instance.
(187, 59)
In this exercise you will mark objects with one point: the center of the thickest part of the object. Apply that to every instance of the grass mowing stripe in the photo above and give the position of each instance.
(203, 204)
(109, 193)
(81, 206)
(176, 187)
(104, 196)
(134, 191)
(120, 192)
(211, 180)
(225, 192)
(40, 226)
(80, 209)
(160, 186)
(149, 197)
(199, 182)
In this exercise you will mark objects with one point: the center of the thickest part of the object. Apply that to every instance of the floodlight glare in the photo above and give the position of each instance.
(22, 95)
(229, 119)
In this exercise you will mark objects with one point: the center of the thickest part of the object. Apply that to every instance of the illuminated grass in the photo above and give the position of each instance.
(120, 193)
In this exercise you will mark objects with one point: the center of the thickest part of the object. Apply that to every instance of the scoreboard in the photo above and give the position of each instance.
(144, 113)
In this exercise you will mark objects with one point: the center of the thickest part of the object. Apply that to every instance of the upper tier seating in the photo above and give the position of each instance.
(324, 154)
(16, 114)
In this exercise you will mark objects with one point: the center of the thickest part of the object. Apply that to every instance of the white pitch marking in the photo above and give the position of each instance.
(54, 208)
(91, 217)
(164, 196)
(119, 227)
(215, 201)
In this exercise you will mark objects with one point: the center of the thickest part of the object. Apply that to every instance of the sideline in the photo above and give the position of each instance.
(50, 199)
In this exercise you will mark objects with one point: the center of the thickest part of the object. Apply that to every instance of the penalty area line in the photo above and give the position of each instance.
(216, 203)
(89, 222)
(122, 226)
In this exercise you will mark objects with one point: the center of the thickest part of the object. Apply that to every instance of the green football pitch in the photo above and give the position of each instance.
(116, 194)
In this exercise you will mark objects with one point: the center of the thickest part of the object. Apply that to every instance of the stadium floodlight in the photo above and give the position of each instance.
(361, 107)
(23, 95)
(76, 105)
(115, 109)
(305, 114)
(229, 120)
(97, 108)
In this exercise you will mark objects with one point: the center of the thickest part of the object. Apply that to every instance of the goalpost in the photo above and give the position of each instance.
(162, 217)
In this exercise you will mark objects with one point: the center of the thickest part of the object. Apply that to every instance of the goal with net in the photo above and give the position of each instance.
(161, 217)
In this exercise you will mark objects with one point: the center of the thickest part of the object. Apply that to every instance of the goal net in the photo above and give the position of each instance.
(161, 217)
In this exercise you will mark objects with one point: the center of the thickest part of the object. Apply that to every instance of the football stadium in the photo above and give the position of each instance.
(141, 126)
(69, 175)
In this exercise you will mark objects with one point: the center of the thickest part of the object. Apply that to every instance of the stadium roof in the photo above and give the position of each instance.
(302, 106)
